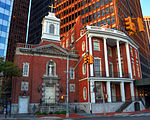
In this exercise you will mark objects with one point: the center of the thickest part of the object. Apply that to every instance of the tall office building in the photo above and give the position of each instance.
(18, 26)
(102, 12)
(147, 24)
(39, 10)
(5, 16)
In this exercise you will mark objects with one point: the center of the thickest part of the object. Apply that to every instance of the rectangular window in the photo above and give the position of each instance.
(67, 43)
(133, 66)
(93, 6)
(111, 9)
(98, 14)
(72, 38)
(113, 20)
(136, 54)
(111, 70)
(108, 21)
(109, 51)
(131, 51)
(96, 45)
(97, 5)
(72, 74)
(102, 12)
(138, 70)
(97, 65)
(94, 16)
(107, 11)
(102, 2)
(25, 69)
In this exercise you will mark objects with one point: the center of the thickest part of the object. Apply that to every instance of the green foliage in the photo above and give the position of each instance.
(44, 113)
(50, 113)
(63, 112)
(38, 113)
(9, 68)
(57, 112)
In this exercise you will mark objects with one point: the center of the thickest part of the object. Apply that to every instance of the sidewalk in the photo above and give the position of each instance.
(85, 115)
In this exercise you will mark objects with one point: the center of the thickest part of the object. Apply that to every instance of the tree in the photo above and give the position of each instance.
(8, 70)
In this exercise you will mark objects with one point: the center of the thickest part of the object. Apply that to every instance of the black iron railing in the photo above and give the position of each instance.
(112, 74)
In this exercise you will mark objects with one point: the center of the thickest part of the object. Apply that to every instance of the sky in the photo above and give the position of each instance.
(145, 4)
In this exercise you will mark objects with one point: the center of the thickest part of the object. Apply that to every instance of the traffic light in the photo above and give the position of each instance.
(86, 59)
(62, 97)
(106, 96)
(127, 22)
(130, 26)
(140, 24)
(91, 59)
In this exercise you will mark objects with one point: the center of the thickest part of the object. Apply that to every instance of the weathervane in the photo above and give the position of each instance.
(52, 7)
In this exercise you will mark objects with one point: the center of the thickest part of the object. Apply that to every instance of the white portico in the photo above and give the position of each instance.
(107, 81)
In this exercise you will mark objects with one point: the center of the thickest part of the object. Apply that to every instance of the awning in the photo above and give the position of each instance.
(141, 82)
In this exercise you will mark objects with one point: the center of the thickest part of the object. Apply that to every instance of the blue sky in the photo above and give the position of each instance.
(145, 4)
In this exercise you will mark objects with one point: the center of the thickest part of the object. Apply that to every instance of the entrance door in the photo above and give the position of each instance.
(23, 104)
(50, 94)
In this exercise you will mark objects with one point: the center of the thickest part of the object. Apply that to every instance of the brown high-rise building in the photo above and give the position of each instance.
(102, 12)
(18, 26)
(147, 24)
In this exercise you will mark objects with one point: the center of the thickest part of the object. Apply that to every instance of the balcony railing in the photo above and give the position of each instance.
(112, 74)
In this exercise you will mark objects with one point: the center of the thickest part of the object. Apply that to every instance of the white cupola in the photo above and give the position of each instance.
(51, 28)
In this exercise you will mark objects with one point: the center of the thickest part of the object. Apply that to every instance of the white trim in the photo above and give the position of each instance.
(91, 52)
(106, 57)
(119, 58)
(129, 60)
(122, 91)
(108, 90)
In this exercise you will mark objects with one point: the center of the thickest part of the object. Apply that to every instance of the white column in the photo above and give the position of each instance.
(132, 90)
(92, 92)
(91, 52)
(129, 60)
(106, 58)
(122, 91)
(108, 91)
(119, 58)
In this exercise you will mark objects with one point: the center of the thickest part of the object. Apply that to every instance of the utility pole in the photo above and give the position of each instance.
(67, 111)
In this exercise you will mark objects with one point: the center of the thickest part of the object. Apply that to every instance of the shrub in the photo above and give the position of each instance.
(63, 112)
(38, 113)
(44, 113)
(50, 112)
(57, 112)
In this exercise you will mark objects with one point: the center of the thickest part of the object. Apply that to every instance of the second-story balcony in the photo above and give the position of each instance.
(112, 74)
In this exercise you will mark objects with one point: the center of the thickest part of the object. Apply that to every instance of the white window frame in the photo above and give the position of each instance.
(96, 45)
(25, 73)
(83, 69)
(96, 58)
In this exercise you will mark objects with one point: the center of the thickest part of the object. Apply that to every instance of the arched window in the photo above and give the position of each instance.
(51, 68)
(51, 29)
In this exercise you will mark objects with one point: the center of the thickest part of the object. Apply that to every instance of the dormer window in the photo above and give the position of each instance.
(51, 29)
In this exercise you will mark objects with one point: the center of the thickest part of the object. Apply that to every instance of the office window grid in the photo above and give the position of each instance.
(68, 14)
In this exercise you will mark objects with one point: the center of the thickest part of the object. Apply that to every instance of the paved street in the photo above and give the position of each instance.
(121, 116)
(140, 116)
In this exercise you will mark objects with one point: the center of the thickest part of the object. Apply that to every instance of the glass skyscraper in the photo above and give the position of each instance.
(5, 17)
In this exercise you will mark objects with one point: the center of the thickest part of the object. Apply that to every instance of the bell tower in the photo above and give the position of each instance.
(51, 28)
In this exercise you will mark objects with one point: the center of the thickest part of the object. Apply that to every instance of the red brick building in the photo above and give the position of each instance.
(116, 65)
